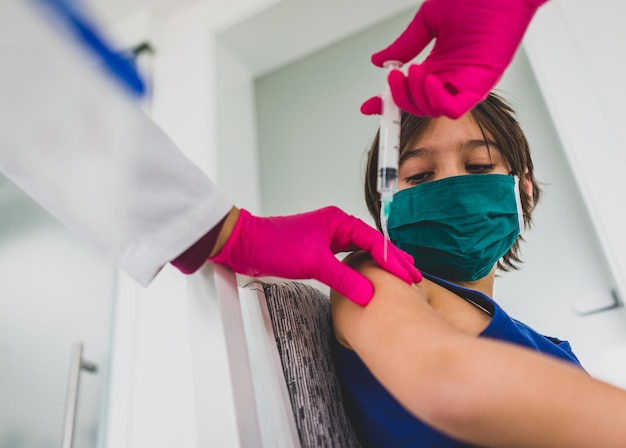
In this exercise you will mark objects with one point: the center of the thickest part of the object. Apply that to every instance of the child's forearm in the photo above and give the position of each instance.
(496, 394)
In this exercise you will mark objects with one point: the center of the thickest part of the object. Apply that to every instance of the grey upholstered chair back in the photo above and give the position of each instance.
(300, 316)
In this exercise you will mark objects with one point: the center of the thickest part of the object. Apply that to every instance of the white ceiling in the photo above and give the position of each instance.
(291, 29)
(109, 11)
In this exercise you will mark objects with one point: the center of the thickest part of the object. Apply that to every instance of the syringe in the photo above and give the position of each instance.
(388, 153)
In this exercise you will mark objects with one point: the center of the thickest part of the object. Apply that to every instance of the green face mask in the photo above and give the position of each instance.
(457, 228)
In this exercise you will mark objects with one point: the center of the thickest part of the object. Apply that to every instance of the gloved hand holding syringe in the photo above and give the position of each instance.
(388, 153)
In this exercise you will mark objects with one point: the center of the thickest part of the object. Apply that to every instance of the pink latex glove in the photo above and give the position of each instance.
(303, 246)
(475, 42)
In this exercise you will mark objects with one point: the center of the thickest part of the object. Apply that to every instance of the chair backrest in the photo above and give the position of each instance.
(261, 364)
(301, 326)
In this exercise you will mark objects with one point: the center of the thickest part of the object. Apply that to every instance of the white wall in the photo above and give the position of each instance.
(575, 49)
(597, 32)
(55, 290)
(236, 131)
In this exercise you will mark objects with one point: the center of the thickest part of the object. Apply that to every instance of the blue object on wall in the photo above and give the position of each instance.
(86, 32)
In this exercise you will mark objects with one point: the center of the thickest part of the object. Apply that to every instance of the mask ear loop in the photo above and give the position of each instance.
(518, 202)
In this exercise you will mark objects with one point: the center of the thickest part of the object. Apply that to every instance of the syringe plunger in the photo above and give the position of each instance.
(389, 142)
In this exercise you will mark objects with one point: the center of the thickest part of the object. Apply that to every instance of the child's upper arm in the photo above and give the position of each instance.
(397, 323)
(398, 336)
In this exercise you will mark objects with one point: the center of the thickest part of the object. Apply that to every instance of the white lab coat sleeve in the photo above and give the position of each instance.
(76, 143)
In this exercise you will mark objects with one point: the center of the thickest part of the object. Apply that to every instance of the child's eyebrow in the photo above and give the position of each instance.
(467, 145)
(417, 152)
(471, 144)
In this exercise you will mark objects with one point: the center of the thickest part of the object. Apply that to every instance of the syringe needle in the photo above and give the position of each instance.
(385, 242)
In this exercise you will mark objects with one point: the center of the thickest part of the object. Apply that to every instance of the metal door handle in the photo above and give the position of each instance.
(77, 364)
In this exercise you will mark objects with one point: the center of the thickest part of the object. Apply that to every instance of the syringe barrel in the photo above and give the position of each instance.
(388, 142)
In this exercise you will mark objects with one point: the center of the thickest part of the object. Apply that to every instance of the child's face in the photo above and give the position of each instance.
(449, 148)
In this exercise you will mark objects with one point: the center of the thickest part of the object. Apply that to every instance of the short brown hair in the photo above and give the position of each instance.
(493, 115)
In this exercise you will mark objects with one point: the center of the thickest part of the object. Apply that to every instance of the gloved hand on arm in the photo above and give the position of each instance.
(301, 247)
(475, 41)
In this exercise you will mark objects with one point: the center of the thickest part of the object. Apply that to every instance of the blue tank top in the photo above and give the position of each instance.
(380, 421)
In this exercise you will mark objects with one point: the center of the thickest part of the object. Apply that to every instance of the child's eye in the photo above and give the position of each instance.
(479, 169)
(419, 178)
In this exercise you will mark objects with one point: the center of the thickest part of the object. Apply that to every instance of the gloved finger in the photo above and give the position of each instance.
(346, 281)
(452, 100)
(408, 45)
(419, 92)
(398, 263)
(372, 106)
(395, 261)
(401, 93)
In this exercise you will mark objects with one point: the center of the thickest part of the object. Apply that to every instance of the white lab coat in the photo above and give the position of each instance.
(73, 140)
